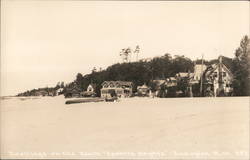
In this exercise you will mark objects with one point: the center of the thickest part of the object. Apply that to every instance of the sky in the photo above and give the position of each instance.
(44, 42)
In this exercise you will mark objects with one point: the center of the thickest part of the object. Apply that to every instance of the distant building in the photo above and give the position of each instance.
(91, 87)
(58, 91)
(119, 88)
(73, 92)
(171, 82)
(91, 91)
(143, 90)
(41, 93)
(198, 71)
(51, 93)
(182, 75)
(159, 83)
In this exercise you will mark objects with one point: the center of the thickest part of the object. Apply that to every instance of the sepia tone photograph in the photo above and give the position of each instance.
(125, 79)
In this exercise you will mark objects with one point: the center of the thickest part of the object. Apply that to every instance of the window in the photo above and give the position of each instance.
(224, 74)
(119, 92)
(104, 91)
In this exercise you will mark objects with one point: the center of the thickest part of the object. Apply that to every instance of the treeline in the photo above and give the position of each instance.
(137, 72)
(167, 66)
(141, 72)
(46, 91)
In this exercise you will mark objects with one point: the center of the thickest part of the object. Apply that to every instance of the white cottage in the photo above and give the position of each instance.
(91, 91)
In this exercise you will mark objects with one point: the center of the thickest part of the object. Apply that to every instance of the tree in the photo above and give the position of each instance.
(79, 77)
(125, 54)
(137, 50)
(182, 85)
(57, 86)
(78, 80)
(94, 70)
(62, 85)
(241, 68)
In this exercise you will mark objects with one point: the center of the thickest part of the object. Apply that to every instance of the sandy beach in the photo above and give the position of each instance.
(185, 128)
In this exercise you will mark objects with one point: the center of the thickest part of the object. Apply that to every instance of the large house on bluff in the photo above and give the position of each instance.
(218, 78)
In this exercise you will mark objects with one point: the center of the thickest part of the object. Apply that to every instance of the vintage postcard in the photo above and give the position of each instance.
(124, 79)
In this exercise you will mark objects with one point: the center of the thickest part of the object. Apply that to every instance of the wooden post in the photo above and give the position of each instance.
(220, 76)
(201, 76)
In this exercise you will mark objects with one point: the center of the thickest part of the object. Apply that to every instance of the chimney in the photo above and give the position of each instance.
(220, 59)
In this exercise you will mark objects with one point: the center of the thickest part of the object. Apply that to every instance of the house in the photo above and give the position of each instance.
(41, 93)
(171, 82)
(143, 90)
(182, 75)
(58, 91)
(118, 88)
(158, 83)
(51, 93)
(91, 91)
(91, 87)
(72, 92)
(198, 71)
(218, 79)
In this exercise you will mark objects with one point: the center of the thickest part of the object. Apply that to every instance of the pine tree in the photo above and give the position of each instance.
(241, 68)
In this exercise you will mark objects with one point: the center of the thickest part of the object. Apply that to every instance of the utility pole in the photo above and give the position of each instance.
(201, 76)
(220, 76)
(190, 85)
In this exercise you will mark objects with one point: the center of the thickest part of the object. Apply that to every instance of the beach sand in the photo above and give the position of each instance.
(188, 128)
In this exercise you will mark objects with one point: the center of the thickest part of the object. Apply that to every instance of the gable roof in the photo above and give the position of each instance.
(93, 85)
(122, 83)
(215, 66)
